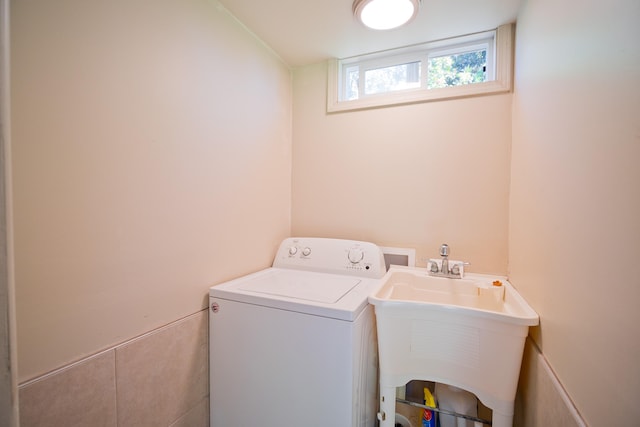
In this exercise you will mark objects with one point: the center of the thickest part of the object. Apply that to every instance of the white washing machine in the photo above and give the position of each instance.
(295, 344)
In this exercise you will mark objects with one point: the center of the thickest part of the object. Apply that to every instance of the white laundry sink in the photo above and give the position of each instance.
(476, 295)
(468, 333)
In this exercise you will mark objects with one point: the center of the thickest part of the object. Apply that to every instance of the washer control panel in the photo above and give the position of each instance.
(339, 256)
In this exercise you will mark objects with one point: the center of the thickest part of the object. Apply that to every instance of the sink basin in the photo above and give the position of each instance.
(476, 295)
(468, 333)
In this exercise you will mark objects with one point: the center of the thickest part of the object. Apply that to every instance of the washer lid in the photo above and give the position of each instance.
(319, 294)
(301, 285)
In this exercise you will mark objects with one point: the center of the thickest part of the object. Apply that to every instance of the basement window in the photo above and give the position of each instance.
(470, 65)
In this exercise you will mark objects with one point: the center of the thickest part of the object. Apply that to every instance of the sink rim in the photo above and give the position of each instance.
(515, 309)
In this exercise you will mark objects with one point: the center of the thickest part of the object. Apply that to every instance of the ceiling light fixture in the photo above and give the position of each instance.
(385, 14)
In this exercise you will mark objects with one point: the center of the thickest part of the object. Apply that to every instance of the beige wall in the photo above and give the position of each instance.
(410, 176)
(575, 197)
(152, 159)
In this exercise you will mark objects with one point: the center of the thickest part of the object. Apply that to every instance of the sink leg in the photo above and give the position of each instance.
(387, 415)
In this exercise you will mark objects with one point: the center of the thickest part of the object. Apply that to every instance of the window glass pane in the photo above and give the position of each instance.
(456, 70)
(352, 80)
(392, 78)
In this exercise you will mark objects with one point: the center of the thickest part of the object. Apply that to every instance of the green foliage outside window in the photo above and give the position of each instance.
(455, 70)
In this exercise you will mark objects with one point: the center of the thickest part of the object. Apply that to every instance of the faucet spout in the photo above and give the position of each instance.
(444, 253)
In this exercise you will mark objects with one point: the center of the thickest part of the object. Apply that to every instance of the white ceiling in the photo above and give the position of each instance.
(303, 32)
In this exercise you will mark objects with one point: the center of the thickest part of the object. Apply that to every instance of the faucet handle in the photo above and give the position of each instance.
(444, 250)
(457, 268)
(433, 266)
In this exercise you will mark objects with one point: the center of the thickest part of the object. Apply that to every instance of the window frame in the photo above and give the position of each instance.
(502, 62)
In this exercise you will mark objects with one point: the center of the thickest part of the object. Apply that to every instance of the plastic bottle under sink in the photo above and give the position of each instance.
(428, 419)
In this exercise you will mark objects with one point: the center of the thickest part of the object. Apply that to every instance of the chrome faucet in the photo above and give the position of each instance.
(444, 253)
(441, 267)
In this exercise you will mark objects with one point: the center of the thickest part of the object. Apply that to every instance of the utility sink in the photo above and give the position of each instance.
(476, 295)
(467, 332)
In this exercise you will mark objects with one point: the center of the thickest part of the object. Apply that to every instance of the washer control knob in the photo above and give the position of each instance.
(306, 251)
(293, 250)
(356, 255)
